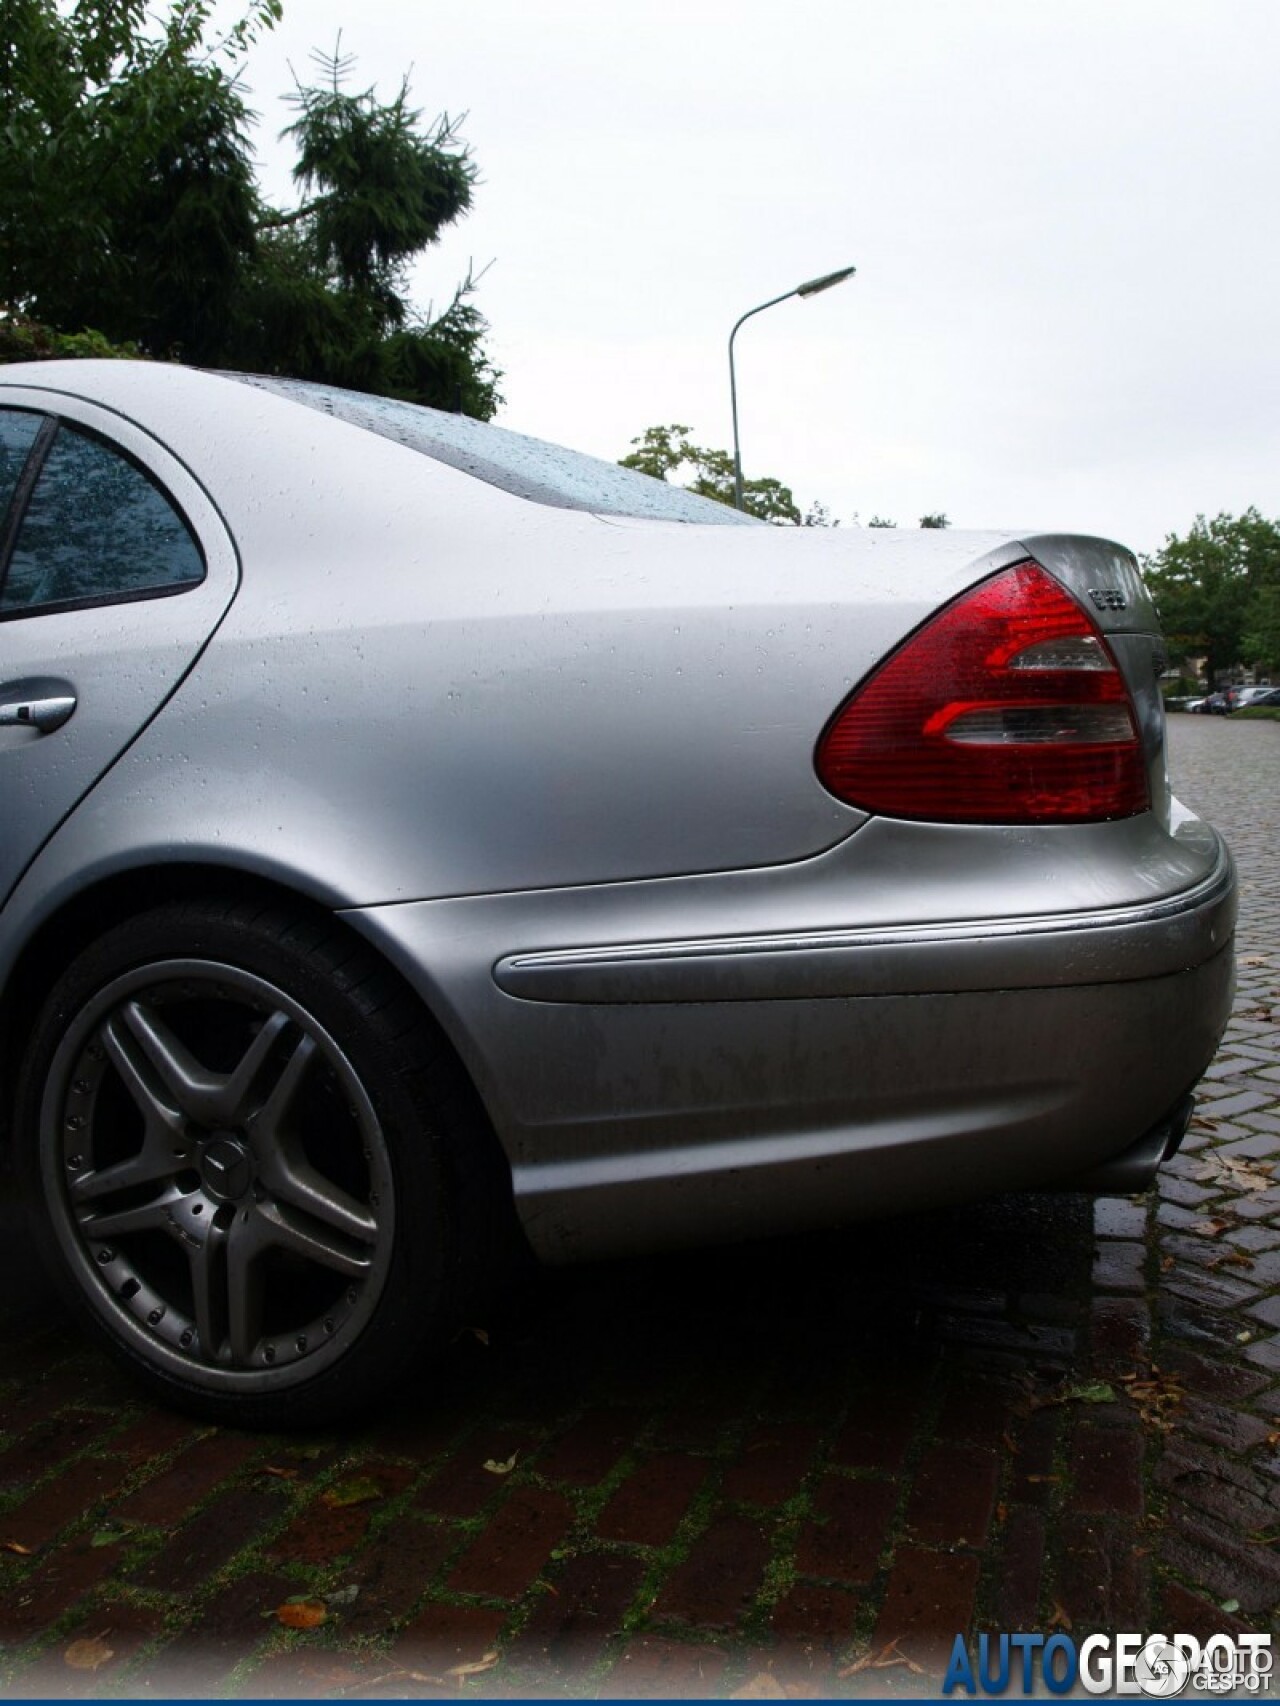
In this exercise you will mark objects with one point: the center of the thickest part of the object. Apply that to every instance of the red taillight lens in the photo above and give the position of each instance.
(1006, 707)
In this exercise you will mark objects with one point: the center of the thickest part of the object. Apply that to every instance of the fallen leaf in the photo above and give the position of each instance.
(1059, 1618)
(1236, 1172)
(1039, 1480)
(762, 1686)
(477, 1667)
(885, 1659)
(1272, 1440)
(302, 1614)
(1002, 1512)
(280, 1473)
(343, 1596)
(1231, 1259)
(1213, 1228)
(1166, 1262)
(480, 1333)
(1250, 960)
(1090, 1392)
(91, 1652)
(16, 1546)
(1155, 1397)
(1230, 1605)
(503, 1468)
(357, 1492)
(112, 1534)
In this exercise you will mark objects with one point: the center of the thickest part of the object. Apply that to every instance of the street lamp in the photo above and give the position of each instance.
(810, 287)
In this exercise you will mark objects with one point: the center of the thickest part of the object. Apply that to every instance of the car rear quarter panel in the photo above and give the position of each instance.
(427, 687)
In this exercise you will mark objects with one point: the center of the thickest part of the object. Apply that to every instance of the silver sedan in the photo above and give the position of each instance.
(422, 845)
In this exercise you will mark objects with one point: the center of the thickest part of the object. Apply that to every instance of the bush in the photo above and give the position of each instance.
(26, 340)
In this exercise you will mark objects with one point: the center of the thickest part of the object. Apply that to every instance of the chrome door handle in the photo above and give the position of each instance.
(46, 715)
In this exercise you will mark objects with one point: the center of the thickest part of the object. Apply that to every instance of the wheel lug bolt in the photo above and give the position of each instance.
(328, 1325)
(270, 1353)
(105, 1256)
(75, 1162)
(301, 1342)
(185, 1337)
(81, 1086)
(155, 1317)
(95, 1051)
(76, 1122)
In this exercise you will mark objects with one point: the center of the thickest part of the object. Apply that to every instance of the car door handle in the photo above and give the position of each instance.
(46, 715)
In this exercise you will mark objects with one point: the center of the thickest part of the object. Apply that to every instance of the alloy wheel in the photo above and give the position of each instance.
(217, 1175)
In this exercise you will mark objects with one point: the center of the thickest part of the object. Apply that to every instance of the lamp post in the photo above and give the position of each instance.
(810, 287)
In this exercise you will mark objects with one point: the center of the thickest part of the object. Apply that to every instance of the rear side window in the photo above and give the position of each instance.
(526, 467)
(18, 431)
(97, 530)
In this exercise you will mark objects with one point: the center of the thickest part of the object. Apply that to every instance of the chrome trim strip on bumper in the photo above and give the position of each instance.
(1152, 939)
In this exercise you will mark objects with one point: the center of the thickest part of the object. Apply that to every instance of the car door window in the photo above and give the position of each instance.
(97, 530)
(18, 429)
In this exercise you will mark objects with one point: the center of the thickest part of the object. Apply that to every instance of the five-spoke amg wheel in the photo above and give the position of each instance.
(242, 1180)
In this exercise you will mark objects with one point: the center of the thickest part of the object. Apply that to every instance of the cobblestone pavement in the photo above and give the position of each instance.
(785, 1469)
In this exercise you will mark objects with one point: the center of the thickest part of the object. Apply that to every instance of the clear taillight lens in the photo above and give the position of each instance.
(1006, 707)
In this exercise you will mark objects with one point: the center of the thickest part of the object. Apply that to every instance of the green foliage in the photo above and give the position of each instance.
(665, 450)
(128, 203)
(25, 340)
(1218, 591)
(1260, 637)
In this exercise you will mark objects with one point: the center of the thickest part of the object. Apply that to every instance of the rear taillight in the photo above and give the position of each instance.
(1006, 707)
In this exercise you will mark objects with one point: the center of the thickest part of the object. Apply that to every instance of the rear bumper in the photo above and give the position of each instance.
(683, 1087)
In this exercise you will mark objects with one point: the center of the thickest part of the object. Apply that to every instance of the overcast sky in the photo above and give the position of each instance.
(1063, 215)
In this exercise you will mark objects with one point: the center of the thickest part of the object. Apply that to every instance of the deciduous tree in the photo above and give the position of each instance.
(666, 450)
(1217, 590)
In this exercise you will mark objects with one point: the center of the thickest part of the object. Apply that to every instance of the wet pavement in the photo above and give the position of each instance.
(789, 1469)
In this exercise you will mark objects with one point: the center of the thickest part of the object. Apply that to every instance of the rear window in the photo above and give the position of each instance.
(526, 467)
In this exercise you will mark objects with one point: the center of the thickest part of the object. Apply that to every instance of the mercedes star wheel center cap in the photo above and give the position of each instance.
(226, 1168)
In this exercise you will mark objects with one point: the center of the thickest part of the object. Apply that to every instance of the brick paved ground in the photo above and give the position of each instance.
(753, 1472)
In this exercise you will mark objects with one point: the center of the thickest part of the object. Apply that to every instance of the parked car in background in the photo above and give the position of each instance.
(420, 839)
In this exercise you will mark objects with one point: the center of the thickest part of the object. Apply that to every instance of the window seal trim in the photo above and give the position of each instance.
(29, 612)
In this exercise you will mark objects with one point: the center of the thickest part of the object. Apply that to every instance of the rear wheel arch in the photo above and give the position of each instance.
(495, 1248)
(70, 929)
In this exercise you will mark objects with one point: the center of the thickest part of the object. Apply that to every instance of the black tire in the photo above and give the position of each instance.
(245, 1145)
